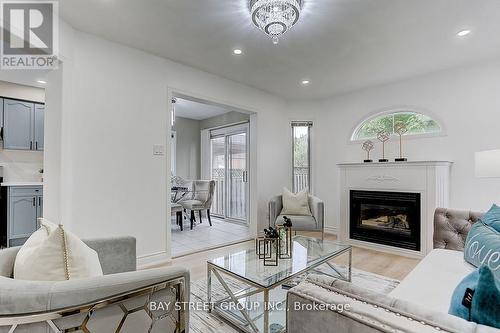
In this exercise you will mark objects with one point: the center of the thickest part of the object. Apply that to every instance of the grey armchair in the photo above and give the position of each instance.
(203, 195)
(119, 301)
(300, 223)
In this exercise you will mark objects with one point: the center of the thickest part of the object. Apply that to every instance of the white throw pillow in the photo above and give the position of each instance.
(54, 254)
(295, 204)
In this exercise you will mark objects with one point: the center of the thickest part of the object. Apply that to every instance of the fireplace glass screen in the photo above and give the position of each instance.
(389, 218)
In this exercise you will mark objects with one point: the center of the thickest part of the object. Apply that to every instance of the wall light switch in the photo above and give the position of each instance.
(158, 150)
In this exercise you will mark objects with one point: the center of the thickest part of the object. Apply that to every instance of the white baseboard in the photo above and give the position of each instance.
(153, 258)
(331, 230)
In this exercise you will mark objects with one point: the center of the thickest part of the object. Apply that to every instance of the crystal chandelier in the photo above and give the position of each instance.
(275, 17)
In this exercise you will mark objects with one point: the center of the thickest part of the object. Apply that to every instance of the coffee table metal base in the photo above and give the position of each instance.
(248, 319)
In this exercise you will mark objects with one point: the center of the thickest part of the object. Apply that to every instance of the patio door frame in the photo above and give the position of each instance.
(226, 132)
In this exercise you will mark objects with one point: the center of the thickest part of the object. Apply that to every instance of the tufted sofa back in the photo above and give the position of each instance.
(452, 226)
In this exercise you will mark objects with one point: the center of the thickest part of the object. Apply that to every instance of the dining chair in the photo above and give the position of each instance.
(203, 193)
(177, 209)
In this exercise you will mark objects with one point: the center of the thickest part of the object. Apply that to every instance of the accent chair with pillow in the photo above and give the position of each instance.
(94, 287)
(305, 210)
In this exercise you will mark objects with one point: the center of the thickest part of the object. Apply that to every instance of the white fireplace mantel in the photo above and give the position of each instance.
(429, 178)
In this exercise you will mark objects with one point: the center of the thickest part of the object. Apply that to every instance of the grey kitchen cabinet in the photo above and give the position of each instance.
(23, 125)
(18, 125)
(24, 206)
(39, 212)
(38, 126)
(22, 214)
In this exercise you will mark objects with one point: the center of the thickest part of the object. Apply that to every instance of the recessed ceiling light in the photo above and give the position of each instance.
(305, 82)
(237, 51)
(463, 33)
(41, 81)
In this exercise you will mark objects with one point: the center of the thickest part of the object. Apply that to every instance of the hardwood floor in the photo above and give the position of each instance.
(385, 264)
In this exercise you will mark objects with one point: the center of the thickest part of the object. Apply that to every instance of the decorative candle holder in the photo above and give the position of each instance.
(271, 251)
(383, 136)
(276, 244)
(368, 146)
(400, 128)
(285, 242)
(260, 249)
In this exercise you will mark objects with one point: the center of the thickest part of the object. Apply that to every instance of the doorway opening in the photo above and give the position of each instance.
(209, 169)
(22, 118)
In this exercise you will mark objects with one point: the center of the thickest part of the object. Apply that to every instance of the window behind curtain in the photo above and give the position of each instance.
(301, 155)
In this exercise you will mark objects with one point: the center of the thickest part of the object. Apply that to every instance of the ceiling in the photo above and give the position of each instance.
(195, 110)
(339, 45)
(26, 77)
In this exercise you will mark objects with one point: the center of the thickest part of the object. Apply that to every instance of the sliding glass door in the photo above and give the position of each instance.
(229, 169)
(218, 173)
(237, 157)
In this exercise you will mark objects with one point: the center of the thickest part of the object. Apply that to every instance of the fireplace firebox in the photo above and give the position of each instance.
(388, 218)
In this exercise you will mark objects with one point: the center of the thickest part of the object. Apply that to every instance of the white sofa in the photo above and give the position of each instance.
(433, 281)
(418, 305)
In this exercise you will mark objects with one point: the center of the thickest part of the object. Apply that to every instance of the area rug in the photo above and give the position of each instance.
(204, 322)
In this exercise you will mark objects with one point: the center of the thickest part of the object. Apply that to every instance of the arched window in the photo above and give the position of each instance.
(416, 124)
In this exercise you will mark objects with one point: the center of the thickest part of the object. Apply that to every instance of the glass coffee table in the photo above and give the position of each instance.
(252, 297)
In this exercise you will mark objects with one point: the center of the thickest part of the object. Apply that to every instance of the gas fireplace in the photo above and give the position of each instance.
(388, 218)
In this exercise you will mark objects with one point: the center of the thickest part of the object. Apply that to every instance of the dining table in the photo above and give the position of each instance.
(178, 193)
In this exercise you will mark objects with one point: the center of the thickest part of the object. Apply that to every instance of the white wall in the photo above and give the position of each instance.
(187, 151)
(52, 146)
(465, 100)
(114, 109)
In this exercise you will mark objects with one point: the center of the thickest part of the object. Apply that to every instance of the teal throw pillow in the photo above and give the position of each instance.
(482, 247)
(477, 298)
(492, 217)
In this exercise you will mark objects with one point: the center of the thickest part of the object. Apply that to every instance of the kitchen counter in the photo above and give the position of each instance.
(21, 184)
